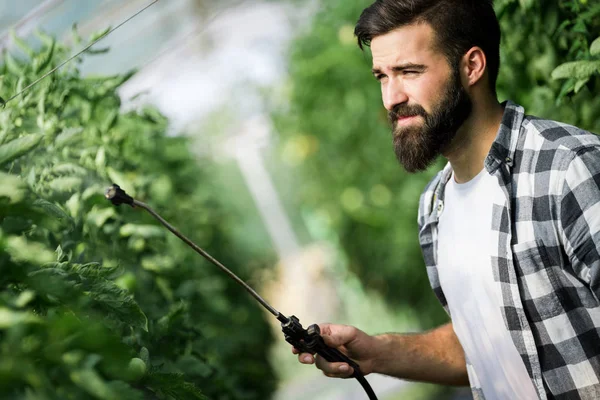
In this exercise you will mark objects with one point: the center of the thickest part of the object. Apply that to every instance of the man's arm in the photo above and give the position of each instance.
(580, 217)
(434, 356)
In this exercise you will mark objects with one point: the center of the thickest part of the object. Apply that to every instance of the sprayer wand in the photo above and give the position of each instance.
(305, 340)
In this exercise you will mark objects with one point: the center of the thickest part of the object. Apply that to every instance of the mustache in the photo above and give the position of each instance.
(405, 110)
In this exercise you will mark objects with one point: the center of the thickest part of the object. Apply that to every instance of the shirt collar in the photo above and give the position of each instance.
(504, 146)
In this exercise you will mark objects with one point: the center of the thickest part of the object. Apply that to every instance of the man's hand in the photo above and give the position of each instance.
(351, 341)
(434, 356)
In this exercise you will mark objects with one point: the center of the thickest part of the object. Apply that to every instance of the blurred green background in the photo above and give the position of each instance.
(257, 129)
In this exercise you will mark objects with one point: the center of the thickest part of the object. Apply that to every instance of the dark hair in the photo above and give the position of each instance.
(458, 24)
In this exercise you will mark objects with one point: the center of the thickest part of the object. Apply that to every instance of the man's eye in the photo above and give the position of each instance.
(379, 77)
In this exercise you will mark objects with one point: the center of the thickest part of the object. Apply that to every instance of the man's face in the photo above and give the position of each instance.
(425, 99)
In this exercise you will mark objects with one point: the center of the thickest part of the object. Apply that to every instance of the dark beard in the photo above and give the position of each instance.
(417, 147)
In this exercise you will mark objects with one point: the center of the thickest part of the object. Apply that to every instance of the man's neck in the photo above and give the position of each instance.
(474, 139)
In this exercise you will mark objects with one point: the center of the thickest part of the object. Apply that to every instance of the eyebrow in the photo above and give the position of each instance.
(402, 67)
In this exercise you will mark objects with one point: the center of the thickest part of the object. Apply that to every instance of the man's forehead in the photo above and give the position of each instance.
(402, 44)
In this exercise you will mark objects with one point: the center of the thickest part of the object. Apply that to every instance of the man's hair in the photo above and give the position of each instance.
(458, 24)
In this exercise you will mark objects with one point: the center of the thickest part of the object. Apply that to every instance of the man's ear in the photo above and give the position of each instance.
(473, 66)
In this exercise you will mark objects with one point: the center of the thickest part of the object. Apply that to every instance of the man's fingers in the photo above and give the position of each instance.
(306, 358)
(334, 370)
(296, 351)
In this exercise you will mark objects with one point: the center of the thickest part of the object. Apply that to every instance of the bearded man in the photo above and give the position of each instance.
(509, 229)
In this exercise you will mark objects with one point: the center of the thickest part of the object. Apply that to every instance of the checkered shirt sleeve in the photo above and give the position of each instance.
(580, 217)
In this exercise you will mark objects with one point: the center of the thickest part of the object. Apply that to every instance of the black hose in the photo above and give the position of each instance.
(363, 382)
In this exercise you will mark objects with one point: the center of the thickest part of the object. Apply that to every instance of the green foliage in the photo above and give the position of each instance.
(550, 61)
(583, 70)
(336, 141)
(98, 301)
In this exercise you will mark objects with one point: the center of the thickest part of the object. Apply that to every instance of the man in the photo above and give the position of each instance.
(510, 229)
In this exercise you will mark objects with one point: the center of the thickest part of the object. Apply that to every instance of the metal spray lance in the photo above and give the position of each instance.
(306, 340)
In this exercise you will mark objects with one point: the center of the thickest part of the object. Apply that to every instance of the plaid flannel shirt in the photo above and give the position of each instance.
(547, 263)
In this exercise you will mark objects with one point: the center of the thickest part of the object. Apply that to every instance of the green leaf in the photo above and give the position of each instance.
(60, 254)
(117, 305)
(41, 107)
(110, 121)
(123, 391)
(18, 147)
(144, 231)
(91, 382)
(100, 159)
(113, 83)
(566, 88)
(113, 302)
(65, 184)
(526, 4)
(55, 283)
(576, 69)
(24, 298)
(93, 270)
(10, 318)
(12, 65)
(580, 27)
(98, 217)
(595, 47)
(12, 188)
(580, 83)
(53, 210)
(45, 38)
(99, 34)
(23, 250)
(68, 136)
(158, 263)
(69, 168)
(145, 355)
(175, 386)
(563, 25)
(21, 43)
(46, 58)
(69, 283)
(195, 366)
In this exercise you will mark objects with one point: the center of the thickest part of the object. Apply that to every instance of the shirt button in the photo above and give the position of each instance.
(508, 161)
(440, 207)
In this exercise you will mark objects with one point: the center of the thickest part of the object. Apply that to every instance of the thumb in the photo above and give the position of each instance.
(332, 341)
(337, 335)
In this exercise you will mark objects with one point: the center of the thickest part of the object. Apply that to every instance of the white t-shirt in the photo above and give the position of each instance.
(474, 298)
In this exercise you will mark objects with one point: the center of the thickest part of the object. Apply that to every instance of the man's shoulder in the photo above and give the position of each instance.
(547, 134)
(550, 149)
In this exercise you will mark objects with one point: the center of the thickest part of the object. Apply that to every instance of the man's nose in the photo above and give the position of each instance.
(393, 93)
